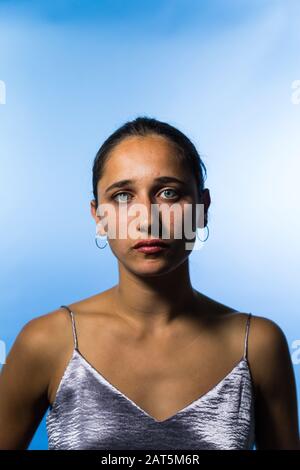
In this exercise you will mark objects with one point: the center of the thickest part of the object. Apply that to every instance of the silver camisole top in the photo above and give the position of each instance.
(90, 413)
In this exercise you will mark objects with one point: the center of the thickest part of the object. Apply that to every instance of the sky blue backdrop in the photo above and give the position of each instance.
(221, 71)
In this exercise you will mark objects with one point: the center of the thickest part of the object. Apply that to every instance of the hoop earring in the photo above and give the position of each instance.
(206, 226)
(101, 238)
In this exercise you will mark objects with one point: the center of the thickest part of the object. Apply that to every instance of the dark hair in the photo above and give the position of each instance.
(143, 126)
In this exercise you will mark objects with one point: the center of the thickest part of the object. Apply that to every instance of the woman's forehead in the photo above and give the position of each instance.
(143, 156)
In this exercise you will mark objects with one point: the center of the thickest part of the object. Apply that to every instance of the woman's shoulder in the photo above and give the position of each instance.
(35, 351)
(265, 331)
(268, 353)
(267, 342)
(44, 334)
(268, 347)
(51, 331)
(265, 336)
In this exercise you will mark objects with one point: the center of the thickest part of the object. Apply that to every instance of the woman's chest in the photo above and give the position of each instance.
(160, 382)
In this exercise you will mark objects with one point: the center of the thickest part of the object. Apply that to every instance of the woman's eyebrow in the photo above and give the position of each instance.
(160, 179)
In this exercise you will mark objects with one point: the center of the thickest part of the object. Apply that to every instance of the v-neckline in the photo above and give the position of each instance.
(100, 376)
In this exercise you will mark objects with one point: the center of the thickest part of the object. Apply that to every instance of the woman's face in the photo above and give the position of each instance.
(141, 161)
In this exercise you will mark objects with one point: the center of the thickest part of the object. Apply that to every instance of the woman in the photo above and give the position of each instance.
(150, 363)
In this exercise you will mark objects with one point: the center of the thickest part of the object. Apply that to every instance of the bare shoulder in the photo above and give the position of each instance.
(52, 331)
(40, 340)
(268, 341)
(26, 374)
(29, 364)
(275, 386)
(268, 353)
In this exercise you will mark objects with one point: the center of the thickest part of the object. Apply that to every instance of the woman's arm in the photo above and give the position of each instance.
(276, 397)
(24, 380)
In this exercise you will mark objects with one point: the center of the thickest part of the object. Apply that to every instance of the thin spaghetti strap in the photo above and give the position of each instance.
(246, 336)
(73, 326)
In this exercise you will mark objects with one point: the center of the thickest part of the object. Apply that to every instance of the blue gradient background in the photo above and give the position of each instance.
(222, 72)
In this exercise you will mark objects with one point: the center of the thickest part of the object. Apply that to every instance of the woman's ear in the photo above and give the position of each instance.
(100, 229)
(203, 210)
(93, 206)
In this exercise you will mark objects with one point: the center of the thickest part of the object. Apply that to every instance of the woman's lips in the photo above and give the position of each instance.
(152, 248)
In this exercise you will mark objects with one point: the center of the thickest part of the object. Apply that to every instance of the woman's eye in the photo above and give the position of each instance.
(119, 194)
(168, 191)
(116, 197)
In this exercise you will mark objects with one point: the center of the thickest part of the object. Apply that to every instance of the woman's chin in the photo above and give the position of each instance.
(152, 268)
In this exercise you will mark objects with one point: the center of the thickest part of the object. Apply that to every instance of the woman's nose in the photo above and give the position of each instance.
(148, 215)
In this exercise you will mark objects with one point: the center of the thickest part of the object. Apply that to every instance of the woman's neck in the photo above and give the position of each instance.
(153, 303)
